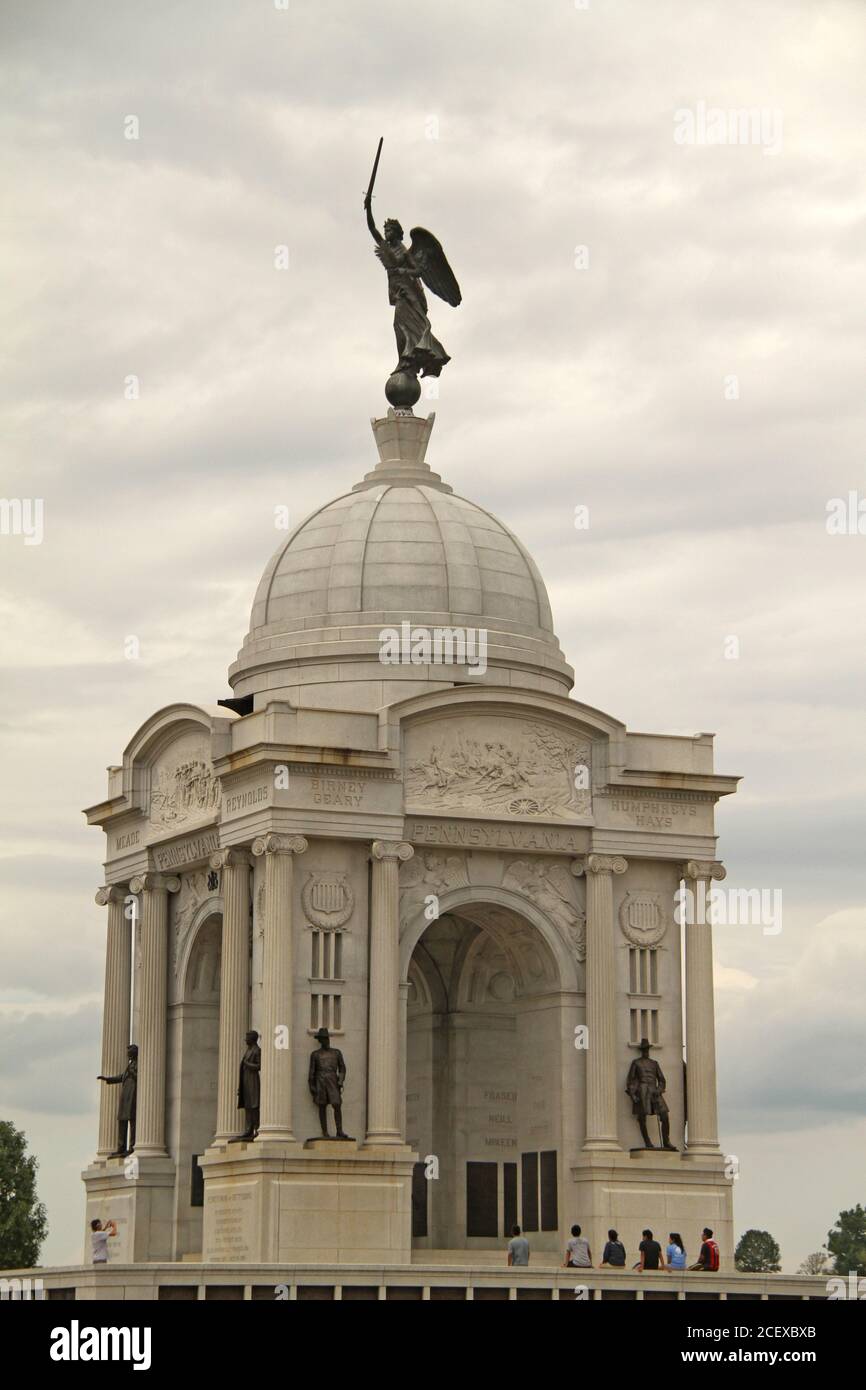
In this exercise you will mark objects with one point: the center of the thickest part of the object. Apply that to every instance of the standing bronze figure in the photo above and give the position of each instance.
(128, 1083)
(418, 352)
(327, 1078)
(645, 1085)
(249, 1085)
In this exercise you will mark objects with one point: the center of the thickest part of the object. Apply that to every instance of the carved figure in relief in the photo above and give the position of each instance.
(427, 874)
(181, 792)
(533, 774)
(550, 887)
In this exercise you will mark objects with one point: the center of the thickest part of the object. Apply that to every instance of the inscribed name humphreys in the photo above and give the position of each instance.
(542, 838)
(649, 814)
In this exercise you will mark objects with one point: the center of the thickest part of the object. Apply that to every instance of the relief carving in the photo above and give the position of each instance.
(549, 885)
(328, 900)
(184, 787)
(539, 771)
(185, 905)
(427, 875)
(641, 919)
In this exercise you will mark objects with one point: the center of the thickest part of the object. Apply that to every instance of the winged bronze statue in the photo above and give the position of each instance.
(419, 353)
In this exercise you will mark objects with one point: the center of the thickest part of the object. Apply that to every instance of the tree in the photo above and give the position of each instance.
(757, 1253)
(847, 1241)
(816, 1263)
(23, 1224)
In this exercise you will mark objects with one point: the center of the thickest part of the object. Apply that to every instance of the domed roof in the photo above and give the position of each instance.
(401, 546)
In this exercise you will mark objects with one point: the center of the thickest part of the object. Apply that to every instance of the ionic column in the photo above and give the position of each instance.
(115, 1009)
(275, 1121)
(233, 866)
(702, 1126)
(601, 1078)
(152, 1023)
(383, 1057)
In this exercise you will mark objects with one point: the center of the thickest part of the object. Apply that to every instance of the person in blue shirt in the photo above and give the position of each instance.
(676, 1255)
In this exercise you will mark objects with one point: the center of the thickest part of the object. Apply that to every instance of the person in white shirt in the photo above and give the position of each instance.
(99, 1237)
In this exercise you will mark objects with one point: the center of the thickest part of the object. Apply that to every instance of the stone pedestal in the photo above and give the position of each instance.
(650, 1188)
(139, 1196)
(330, 1202)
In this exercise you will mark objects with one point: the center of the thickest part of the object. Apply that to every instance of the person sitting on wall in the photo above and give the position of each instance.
(614, 1252)
(708, 1259)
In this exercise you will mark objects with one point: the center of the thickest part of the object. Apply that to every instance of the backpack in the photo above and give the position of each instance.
(617, 1248)
(714, 1254)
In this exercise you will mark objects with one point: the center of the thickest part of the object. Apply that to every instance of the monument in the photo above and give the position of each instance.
(404, 838)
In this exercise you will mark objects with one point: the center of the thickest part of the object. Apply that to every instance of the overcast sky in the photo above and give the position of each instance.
(694, 377)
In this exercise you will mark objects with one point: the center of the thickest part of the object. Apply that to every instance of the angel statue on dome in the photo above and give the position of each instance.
(418, 352)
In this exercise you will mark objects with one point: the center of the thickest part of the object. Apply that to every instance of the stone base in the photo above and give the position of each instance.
(328, 1202)
(138, 1194)
(657, 1189)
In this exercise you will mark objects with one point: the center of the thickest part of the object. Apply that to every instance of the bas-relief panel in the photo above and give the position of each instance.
(498, 765)
(543, 881)
(183, 788)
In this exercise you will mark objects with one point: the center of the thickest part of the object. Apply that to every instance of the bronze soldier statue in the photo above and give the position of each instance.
(645, 1085)
(327, 1078)
(249, 1087)
(128, 1082)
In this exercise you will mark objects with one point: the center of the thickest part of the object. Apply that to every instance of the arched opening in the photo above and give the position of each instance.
(192, 1109)
(486, 1015)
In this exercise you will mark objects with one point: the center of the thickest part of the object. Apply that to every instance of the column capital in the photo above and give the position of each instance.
(392, 849)
(279, 844)
(704, 868)
(599, 864)
(232, 858)
(111, 893)
(154, 883)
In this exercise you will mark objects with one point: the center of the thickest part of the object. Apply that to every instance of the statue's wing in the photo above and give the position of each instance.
(431, 261)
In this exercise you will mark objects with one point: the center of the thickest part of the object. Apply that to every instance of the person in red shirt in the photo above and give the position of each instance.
(708, 1259)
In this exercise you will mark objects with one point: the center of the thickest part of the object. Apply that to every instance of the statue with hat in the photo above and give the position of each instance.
(128, 1083)
(645, 1085)
(327, 1078)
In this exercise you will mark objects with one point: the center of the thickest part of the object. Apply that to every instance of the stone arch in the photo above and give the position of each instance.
(479, 896)
(211, 909)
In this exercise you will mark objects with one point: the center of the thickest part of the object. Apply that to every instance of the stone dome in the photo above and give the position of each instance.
(399, 547)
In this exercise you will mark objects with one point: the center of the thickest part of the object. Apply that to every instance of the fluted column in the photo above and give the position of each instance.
(601, 1078)
(383, 1054)
(152, 1023)
(115, 1009)
(702, 1127)
(275, 1121)
(233, 866)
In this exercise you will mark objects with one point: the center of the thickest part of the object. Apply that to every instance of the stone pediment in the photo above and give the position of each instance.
(498, 765)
